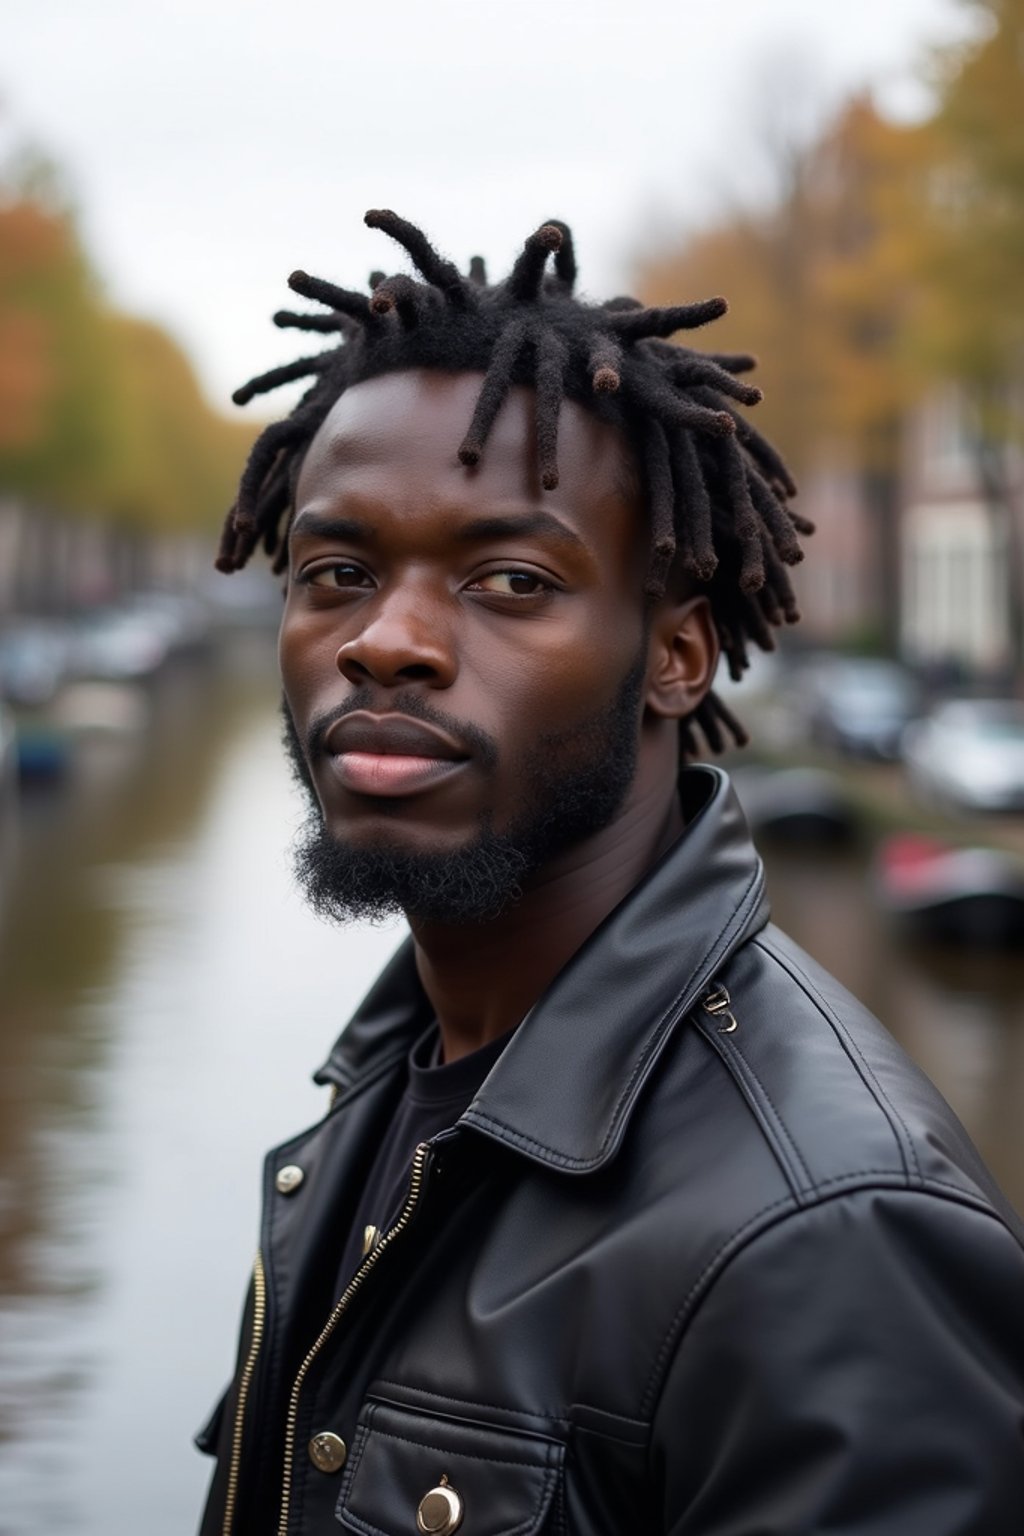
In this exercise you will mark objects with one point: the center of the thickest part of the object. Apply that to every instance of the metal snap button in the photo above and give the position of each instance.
(288, 1179)
(440, 1511)
(718, 1004)
(327, 1452)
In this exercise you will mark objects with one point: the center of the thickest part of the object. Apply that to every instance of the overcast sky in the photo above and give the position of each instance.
(214, 145)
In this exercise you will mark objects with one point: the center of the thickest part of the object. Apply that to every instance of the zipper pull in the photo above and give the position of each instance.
(718, 1004)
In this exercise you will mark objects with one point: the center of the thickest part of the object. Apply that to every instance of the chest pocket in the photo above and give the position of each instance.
(411, 1473)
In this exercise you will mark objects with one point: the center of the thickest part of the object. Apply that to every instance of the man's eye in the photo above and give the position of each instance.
(337, 576)
(513, 583)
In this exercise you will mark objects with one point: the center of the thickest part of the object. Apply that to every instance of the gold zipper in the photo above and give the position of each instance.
(415, 1186)
(259, 1312)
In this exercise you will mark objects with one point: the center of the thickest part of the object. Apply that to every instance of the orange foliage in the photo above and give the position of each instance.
(31, 243)
(100, 413)
(822, 287)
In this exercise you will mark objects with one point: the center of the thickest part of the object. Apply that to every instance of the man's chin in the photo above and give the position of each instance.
(570, 785)
(345, 879)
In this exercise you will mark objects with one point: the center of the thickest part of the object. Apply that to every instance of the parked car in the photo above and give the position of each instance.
(861, 706)
(33, 661)
(119, 645)
(182, 618)
(969, 753)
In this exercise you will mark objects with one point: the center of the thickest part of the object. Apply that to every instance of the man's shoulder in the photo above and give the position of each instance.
(833, 1093)
(787, 1127)
(796, 1094)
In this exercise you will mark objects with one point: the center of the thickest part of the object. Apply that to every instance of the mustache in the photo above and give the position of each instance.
(476, 741)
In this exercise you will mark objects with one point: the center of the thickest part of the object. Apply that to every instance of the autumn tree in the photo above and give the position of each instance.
(100, 413)
(975, 263)
(54, 352)
(867, 209)
(822, 284)
(173, 462)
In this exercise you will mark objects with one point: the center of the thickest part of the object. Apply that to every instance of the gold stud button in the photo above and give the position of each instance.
(327, 1452)
(440, 1511)
(288, 1179)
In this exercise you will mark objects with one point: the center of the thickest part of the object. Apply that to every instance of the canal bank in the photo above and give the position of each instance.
(885, 801)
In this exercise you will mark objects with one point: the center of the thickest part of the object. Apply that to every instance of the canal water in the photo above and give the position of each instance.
(164, 994)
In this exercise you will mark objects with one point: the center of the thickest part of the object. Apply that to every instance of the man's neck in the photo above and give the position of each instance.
(483, 980)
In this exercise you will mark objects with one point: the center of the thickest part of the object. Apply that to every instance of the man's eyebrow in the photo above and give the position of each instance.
(510, 525)
(516, 525)
(344, 530)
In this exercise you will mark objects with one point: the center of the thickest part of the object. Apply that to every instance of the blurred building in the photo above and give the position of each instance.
(958, 597)
(51, 563)
(836, 590)
(959, 551)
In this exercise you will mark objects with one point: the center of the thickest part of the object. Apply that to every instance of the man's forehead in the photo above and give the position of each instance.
(418, 417)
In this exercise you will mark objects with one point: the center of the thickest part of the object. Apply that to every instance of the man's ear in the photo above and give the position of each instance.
(682, 657)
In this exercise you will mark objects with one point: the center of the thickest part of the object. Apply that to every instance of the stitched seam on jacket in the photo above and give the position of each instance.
(378, 1390)
(732, 1243)
(775, 1130)
(746, 1234)
(866, 1072)
(782, 1127)
(570, 1421)
(365, 1081)
(504, 1461)
(669, 1017)
(362, 1434)
(354, 1084)
(605, 1413)
(634, 1442)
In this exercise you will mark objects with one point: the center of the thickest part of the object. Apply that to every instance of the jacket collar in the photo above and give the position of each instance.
(565, 1086)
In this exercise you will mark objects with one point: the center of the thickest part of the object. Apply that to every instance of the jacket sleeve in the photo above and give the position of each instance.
(858, 1369)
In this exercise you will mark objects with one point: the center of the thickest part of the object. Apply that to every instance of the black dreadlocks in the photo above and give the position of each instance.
(716, 489)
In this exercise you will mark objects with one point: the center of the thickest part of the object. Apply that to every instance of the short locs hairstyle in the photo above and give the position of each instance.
(717, 492)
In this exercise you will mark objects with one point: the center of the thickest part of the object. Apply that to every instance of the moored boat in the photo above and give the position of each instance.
(797, 805)
(956, 894)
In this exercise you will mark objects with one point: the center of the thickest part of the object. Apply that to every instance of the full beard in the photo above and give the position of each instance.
(573, 783)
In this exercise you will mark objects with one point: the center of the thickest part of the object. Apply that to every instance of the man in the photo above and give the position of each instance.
(625, 1217)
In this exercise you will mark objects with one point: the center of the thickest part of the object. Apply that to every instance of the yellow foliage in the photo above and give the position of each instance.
(976, 261)
(100, 413)
(51, 442)
(824, 286)
(174, 462)
(895, 256)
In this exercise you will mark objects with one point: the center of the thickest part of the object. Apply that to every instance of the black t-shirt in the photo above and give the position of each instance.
(434, 1098)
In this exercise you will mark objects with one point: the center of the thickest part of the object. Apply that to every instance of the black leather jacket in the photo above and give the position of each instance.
(702, 1261)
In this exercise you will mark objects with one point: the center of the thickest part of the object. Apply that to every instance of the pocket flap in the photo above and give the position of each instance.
(501, 1483)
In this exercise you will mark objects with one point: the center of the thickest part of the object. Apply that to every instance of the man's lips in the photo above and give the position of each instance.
(392, 735)
(391, 754)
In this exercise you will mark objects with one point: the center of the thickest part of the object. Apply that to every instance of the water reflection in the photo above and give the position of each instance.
(164, 997)
(959, 1013)
(164, 994)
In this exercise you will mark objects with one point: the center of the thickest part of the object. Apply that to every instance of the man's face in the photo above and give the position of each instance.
(463, 654)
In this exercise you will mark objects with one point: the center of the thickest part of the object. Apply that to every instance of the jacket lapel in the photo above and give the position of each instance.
(563, 1089)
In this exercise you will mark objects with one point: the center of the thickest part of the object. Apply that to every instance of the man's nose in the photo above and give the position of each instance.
(405, 639)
